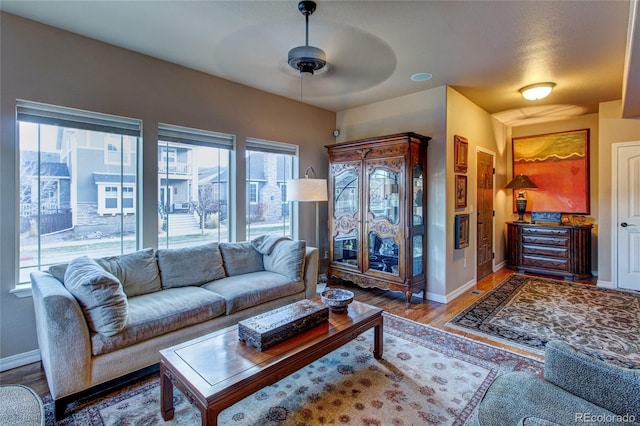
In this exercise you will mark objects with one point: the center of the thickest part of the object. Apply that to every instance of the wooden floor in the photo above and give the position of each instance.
(432, 313)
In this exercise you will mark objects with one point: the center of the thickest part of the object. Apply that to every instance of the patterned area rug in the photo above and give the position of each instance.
(427, 377)
(528, 312)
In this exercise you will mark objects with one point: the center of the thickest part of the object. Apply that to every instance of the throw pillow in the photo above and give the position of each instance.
(287, 258)
(190, 265)
(138, 271)
(58, 271)
(240, 258)
(99, 294)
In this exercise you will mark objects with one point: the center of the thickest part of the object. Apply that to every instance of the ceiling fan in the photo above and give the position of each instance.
(307, 59)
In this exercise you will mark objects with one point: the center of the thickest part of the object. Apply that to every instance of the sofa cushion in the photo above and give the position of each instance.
(286, 258)
(138, 271)
(536, 421)
(154, 314)
(99, 294)
(535, 398)
(58, 271)
(266, 243)
(240, 258)
(190, 266)
(251, 289)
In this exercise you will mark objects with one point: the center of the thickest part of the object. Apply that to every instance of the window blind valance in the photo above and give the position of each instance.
(271, 147)
(179, 134)
(35, 112)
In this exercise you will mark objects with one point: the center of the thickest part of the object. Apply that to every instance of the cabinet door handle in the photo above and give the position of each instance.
(625, 224)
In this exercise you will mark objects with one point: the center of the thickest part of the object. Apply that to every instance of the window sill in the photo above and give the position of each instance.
(22, 291)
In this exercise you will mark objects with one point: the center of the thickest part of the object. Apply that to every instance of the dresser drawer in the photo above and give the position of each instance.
(546, 231)
(545, 262)
(559, 252)
(545, 241)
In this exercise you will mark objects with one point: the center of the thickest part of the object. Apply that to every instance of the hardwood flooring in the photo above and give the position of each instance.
(432, 313)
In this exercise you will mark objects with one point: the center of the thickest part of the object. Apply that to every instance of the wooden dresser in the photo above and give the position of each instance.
(561, 250)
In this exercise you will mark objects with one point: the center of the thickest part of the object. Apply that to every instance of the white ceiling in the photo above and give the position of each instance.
(486, 50)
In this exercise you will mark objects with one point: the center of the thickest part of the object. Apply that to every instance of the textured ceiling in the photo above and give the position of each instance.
(486, 50)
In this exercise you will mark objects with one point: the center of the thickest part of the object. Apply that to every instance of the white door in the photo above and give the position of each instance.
(627, 222)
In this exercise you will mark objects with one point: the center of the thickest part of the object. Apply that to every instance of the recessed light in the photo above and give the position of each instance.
(421, 76)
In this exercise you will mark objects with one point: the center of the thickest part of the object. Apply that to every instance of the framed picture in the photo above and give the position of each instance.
(461, 191)
(460, 154)
(558, 163)
(462, 231)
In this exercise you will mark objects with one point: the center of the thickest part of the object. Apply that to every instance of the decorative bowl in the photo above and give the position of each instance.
(337, 299)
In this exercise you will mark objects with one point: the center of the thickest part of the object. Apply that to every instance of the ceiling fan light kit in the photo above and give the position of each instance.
(534, 92)
(307, 59)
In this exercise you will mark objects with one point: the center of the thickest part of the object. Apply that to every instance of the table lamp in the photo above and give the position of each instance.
(520, 183)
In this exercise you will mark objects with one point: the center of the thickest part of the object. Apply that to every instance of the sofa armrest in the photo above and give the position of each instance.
(63, 336)
(609, 386)
(311, 272)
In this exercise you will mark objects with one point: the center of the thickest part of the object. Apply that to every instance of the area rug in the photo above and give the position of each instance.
(427, 377)
(529, 311)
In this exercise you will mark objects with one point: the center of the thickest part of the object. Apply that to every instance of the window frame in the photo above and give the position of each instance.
(70, 121)
(174, 165)
(291, 153)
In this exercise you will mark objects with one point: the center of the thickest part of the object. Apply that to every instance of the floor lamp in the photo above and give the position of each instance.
(308, 189)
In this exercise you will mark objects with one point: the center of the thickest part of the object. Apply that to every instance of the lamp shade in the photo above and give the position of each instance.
(307, 190)
(521, 182)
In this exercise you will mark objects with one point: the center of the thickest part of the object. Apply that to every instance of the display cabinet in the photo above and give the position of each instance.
(377, 212)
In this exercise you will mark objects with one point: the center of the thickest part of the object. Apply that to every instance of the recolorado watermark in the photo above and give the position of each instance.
(604, 418)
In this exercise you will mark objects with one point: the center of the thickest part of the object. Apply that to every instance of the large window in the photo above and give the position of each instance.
(193, 186)
(78, 183)
(268, 165)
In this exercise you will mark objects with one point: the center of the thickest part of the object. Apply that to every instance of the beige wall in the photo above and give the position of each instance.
(482, 131)
(43, 64)
(612, 129)
(583, 122)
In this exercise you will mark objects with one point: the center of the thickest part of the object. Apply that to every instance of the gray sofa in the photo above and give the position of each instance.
(98, 320)
(576, 389)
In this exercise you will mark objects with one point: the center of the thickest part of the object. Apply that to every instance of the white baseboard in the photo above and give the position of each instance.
(436, 297)
(18, 360)
(606, 284)
(499, 266)
(449, 297)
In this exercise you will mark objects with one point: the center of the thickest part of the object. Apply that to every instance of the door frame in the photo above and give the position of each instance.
(493, 217)
(615, 147)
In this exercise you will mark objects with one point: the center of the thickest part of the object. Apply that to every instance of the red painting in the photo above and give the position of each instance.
(558, 163)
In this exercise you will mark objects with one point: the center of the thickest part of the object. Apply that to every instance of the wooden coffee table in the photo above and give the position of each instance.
(217, 370)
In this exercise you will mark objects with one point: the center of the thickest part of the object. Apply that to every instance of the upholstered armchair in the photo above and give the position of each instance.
(576, 389)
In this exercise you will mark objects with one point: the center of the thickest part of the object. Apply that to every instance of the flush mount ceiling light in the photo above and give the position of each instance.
(307, 59)
(534, 92)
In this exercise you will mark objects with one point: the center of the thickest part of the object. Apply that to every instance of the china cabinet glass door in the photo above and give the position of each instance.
(417, 220)
(383, 219)
(346, 204)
